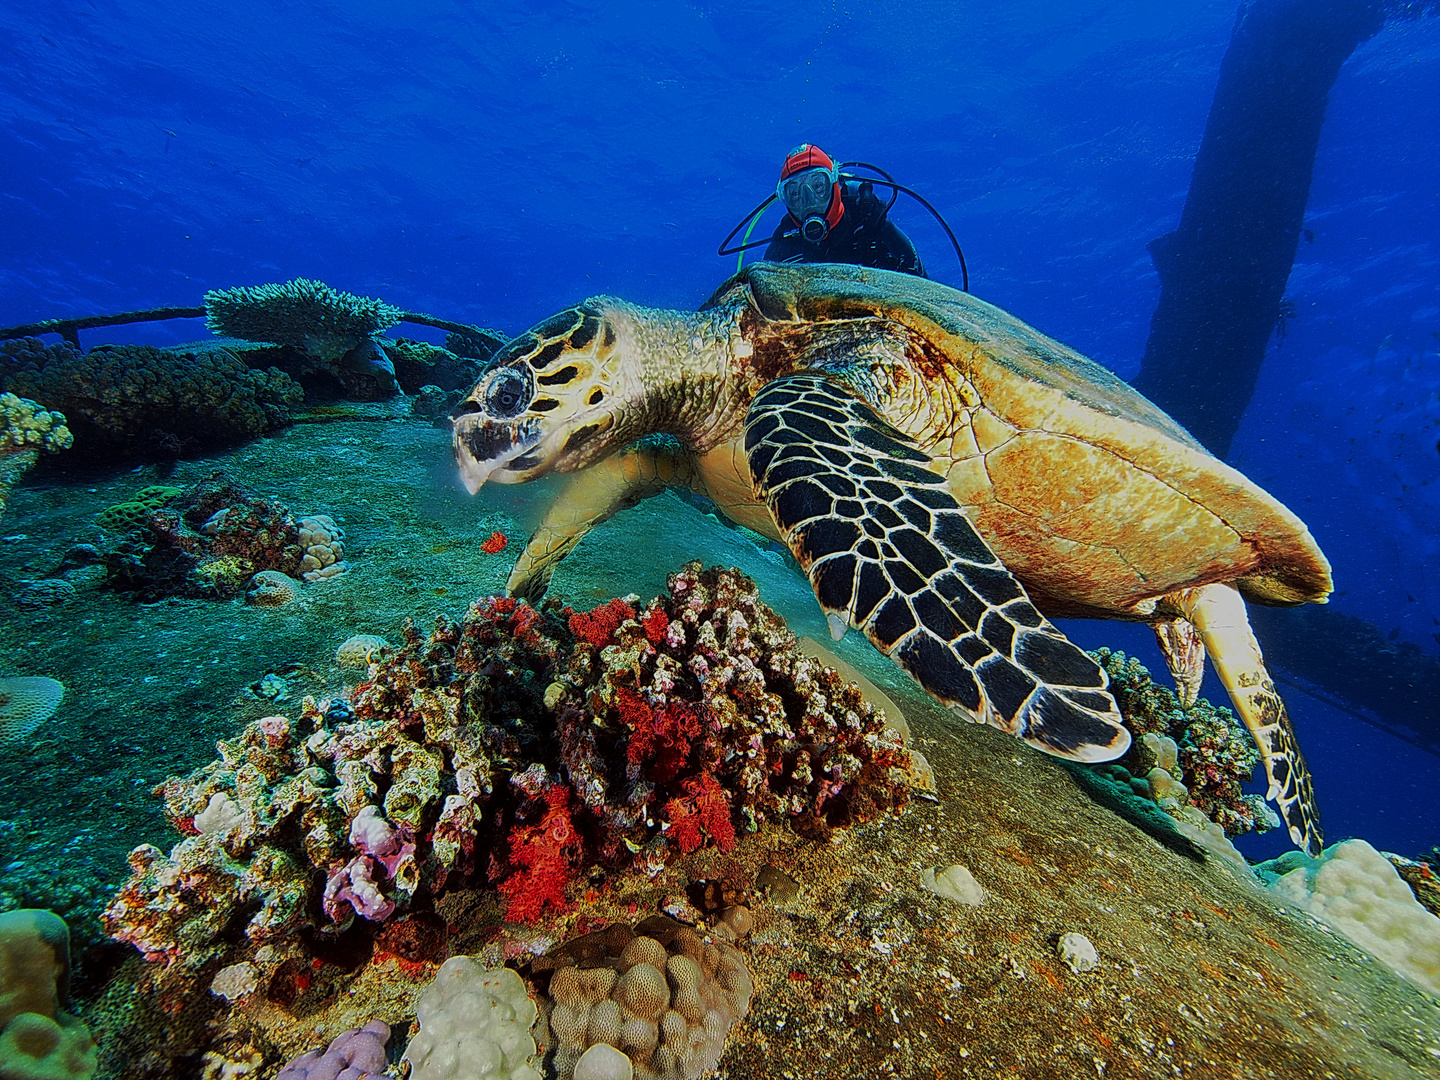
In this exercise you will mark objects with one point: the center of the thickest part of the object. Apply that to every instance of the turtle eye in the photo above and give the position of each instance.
(508, 394)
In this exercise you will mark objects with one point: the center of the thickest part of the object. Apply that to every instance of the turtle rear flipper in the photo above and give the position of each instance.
(889, 551)
(1218, 612)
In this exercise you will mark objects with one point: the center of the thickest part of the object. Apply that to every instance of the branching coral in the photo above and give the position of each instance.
(304, 314)
(26, 428)
(136, 400)
(1216, 754)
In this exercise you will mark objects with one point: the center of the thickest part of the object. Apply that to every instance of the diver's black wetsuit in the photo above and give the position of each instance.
(864, 236)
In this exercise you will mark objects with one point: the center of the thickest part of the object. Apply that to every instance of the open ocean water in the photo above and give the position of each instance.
(493, 164)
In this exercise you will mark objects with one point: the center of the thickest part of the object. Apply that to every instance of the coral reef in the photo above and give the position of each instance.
(659, 992)
(304, 314)
(37, 1038)
(211, 541)
(140, 401)
(478, 344)
(26, 428)
(1215, 754)
(700, 719)
(26, 702)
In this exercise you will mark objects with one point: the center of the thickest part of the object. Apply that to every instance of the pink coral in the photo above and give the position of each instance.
(354, 1055)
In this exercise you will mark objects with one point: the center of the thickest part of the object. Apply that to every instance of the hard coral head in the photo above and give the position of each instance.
(544, 404)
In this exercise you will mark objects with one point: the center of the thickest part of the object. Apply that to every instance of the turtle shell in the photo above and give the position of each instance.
(1086, 490)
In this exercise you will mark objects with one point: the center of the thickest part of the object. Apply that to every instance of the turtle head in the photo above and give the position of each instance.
(542, 404)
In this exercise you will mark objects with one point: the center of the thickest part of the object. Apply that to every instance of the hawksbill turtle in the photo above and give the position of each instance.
(946, 475)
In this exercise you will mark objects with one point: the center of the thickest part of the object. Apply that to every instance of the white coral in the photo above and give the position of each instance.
(323, 541)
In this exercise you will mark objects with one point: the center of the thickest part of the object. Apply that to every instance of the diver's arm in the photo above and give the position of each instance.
(901, 252)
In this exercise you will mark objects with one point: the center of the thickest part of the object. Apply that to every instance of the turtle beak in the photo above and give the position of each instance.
(484, 446)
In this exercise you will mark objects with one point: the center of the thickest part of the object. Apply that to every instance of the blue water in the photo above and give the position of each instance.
(490, 164)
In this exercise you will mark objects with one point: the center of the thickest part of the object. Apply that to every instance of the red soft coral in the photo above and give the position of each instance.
(684, 829)
(540, 854)
(707, 807)
(656, 624)
(598, 626)
(659, 741)
(713, 807)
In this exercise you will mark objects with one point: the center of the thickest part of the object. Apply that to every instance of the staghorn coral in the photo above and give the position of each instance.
(140, 401)
(1216, 755)
(304, 314)
(457, 762)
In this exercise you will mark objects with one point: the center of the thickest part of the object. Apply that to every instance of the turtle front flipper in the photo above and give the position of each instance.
(592, 496)
(1218, 612)
(889, 551)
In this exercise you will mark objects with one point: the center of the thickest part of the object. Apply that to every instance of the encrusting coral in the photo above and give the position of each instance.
(1215, 755)
(140, 401)
(518, 747)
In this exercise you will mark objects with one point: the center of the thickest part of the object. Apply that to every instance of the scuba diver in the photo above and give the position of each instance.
(835, 216)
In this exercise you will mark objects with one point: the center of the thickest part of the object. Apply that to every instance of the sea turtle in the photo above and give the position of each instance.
(944, 474)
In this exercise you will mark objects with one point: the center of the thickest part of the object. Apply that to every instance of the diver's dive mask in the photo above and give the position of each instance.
(813, 198)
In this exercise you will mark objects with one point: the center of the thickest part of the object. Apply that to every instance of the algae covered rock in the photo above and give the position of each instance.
(140, 401)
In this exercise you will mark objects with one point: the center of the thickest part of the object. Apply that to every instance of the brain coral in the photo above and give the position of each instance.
(136, 400)
(305, 314)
